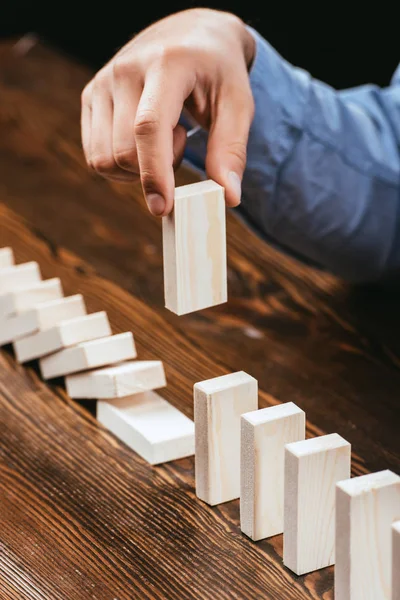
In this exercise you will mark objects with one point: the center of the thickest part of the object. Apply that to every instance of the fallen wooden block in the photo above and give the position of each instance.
(6, 257)
(366, 508)
(126, 379)
(264, 434)
(14, 277)
(218, 406)
(194, 249)
(63, 335)
(42, 316)
(27, 297)
(396, 561)
(89, 355)
(312, 469)
(149, 425)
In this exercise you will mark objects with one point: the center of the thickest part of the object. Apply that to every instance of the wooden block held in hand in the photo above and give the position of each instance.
(312, 469)
(366, 508)
(14, 277)
(194, 249)
(125, 379)
(218, 406)
(42, 316)
(396, 561)
(149, 425)
(264, 434)
(89, 355)
(27, 297)
(6, 257)
(63, 335)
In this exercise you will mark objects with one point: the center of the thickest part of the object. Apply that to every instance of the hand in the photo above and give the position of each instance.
(197, 59)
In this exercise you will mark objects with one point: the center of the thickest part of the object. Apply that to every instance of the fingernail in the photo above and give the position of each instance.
(156, 204)
(236, 185)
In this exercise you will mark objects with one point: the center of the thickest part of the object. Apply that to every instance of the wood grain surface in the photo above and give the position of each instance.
(82, 516)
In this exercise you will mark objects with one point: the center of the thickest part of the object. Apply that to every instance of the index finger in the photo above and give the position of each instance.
(165, 90)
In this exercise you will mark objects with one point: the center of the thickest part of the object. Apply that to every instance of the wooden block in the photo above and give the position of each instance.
(63, 335)
(27, 297)
(194, 249)
(396, 561)
(366, 508)
(6, 257)
(312, 469)
(42, 316)
(149, 425)
(218, 406)
(14, 277)
(126, 379)
(264, 434)
(89, 355)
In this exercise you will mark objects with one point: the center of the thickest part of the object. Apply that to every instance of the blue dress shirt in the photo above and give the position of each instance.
(322, 180)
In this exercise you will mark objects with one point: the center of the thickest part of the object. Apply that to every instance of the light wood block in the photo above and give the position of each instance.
(63, 335)
(89, 355)
(312, 469)
(218, 406)
(14, 277)
(194, 249)
(149, 425)
(396, 561)
(126, 379)
(42, 316)
(366, 508)
(6, 257)
(27, 297)
(264, 434)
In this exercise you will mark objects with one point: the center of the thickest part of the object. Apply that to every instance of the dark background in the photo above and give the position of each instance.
(342, 44)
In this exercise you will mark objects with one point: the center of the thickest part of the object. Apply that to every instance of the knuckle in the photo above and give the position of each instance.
(122, 66)
(238, 150)
(102, 164)
(86, 94)
(148, 182)
(126, 159)
(146, 122)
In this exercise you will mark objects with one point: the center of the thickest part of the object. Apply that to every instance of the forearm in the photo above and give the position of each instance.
(322, 175)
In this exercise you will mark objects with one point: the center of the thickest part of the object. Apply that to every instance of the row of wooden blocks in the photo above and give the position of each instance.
(299, 487)
(43, 324)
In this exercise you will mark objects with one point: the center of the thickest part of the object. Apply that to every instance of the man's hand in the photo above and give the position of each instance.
(197, 59)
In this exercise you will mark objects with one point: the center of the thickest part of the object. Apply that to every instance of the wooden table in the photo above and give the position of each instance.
(81, 515)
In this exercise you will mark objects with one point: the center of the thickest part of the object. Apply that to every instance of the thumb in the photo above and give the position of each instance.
(227, 142)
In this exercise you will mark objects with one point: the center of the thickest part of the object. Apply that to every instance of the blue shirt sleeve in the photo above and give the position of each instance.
(322, 180)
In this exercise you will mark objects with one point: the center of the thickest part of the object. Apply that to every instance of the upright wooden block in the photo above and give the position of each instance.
(42, 316)
(366, 508)
(264, 434)
(218, 406)
(6, 257)
(396, 561)
(312, 469)
(149, 425)
(14, 277)
(194, 246)
(126, 379)
(89, 355)
(63, 335)
(27, 297)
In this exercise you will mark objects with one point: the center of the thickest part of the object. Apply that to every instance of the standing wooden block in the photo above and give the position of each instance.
(126, 379)
(366, 508)
(149, 425)
(218, 406)
(27, 297)
(89, 355)
(63, 335)
(312, 469)
(6, 257)
(12, 278)
(42, 316)
(396, 561)
(264, 434)
(194, 245)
